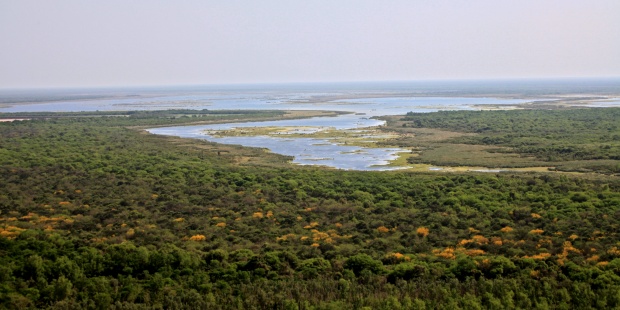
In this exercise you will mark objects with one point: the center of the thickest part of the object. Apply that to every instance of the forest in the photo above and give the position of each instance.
(98, 214)
(575, 140)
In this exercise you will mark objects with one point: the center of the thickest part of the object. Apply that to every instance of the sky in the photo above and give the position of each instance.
(86, 43)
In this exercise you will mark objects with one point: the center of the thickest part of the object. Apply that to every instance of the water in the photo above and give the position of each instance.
(307, 151)
(326, 152)
(259, 101)
(612, 102)
(363, 100)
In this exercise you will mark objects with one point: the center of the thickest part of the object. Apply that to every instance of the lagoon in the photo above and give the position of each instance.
(327, 152)
(361, 104)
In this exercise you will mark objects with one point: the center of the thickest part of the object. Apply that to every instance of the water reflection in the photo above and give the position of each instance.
(326, 152)
(306, 151)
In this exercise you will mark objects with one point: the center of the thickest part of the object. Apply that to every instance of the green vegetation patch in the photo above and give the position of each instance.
(560, 138)
(96, 215)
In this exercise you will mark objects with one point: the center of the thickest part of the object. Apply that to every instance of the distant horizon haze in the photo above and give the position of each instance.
(265, 85)
(115, 43)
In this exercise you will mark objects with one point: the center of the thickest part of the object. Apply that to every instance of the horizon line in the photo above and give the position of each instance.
(241, 84)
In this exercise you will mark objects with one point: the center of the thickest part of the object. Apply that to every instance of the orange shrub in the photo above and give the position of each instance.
(480, 239)
(221, 224)
(422, 231)
(568, 247)
(198, 238)
(317, 235)
(474, 252)
(473, 230)
(29, 216)
(10, 232)
(506, 229)
(614, 251)
(446, 253)
(539, 256)
(285, 237)
(536, 231)
(383, 229)
(395, 258)
(465, 241)
(398, 255)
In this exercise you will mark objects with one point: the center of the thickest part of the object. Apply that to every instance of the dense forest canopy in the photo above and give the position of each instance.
(97, 215)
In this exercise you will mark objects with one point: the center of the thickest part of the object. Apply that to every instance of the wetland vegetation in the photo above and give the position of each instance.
(97, 214)
(583, 140)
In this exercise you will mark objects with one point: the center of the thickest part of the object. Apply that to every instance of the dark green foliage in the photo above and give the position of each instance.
(362, 262)
(407, 271)
(98, 216)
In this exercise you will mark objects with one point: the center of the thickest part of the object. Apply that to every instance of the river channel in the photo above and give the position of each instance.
(330, 152)
(363, 101)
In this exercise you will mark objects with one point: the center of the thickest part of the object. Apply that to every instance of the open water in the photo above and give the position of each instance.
(364, 101)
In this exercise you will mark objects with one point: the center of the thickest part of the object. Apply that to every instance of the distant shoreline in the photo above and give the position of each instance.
(500, 88)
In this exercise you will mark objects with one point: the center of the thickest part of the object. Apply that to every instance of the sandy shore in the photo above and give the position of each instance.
(6, 120)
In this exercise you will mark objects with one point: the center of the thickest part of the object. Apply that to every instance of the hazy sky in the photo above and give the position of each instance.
(151, 42)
